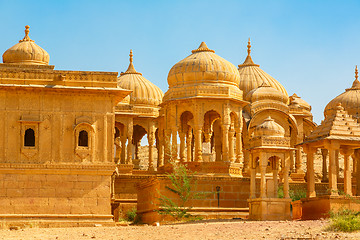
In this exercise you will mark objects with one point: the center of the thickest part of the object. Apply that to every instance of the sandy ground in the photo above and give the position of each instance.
(227, 229)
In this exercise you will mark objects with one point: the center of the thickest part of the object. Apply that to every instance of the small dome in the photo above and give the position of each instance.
(350, 100)
(144, 91)
(266, 92)
(252, 76)
(203, 66)
(296, 101)
(269, 128)
(26, 52)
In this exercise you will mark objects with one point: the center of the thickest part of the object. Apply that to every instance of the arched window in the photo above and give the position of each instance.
(83, 139)
(29, 138)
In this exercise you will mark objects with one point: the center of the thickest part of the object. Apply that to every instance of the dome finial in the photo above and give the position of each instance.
(131, 56)
(248, 61)
(356, 73)
(26, 38)
(131, 68)
(356, 83)
(202, 48)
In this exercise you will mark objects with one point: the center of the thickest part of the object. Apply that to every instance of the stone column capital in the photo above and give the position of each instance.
(308, 149)
(346, 151)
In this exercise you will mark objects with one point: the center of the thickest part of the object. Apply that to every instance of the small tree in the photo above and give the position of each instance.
(182, 184)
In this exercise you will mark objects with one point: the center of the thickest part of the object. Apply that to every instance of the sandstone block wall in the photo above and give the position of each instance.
(58, 194)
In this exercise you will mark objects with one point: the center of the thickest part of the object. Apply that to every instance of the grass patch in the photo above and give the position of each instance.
(344, 221)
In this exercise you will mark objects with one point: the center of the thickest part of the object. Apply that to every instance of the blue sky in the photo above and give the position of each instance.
(310, 47)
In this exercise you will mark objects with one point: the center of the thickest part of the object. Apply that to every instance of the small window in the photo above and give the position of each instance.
(83, 139)
(29, 138)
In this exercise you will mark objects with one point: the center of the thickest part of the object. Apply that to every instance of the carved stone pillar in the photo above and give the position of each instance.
(123, 150)
(357, 160)
(231, 146)
(337, 164)
(239, 153)
(332, 172)
(275, 179)
(117, 143)
(167, 146)
(310, 171)
(160, 147)
(182, 147)
(225, 142)
(151, 141)
(198, 143)
(347, 171)
(174, 147)
(286, 174)
(129, 143)
(263, 165)
(188, 144)
(252, 178)
(324, 153)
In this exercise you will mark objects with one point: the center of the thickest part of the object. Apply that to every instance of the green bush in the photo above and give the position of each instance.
(182, 184)
(131, 215)
(344, 221)
(295, 194)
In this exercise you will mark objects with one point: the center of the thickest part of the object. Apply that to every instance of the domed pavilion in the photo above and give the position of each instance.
(270, 150)
(267, 97)
(136, 116)
(204, 104)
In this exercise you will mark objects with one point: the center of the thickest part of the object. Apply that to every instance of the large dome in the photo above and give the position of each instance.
(350, 100)
(203, 66)
(252, 76)
(26, 52)
(144, 91)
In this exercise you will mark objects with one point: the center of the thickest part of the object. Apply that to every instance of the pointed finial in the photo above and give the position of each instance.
(131, 56)
(248, 61)
(202, 48)
(26, 38)
(356, 73)
(356, 83)
(249, 47)
(131, 68)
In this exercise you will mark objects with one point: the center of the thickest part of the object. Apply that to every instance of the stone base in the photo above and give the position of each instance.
(319, 207)
(297, 177)
(216, 168)
(54, 220)
(125, 168)
(269, 209)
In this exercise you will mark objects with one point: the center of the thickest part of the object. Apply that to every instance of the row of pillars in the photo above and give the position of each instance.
(263, 163)
(126, 156)
(188, 145)
(333, 170)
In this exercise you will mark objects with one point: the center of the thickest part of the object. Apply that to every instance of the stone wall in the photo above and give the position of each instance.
(233, 193)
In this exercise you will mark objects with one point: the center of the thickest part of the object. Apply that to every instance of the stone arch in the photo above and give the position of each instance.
(285, 120)
(138, 133)
(186, 120)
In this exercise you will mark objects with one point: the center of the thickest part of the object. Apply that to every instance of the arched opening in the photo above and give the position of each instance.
(212, 147)
(186, 137)
(139, 152)
(83, 140)
(29, 138)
